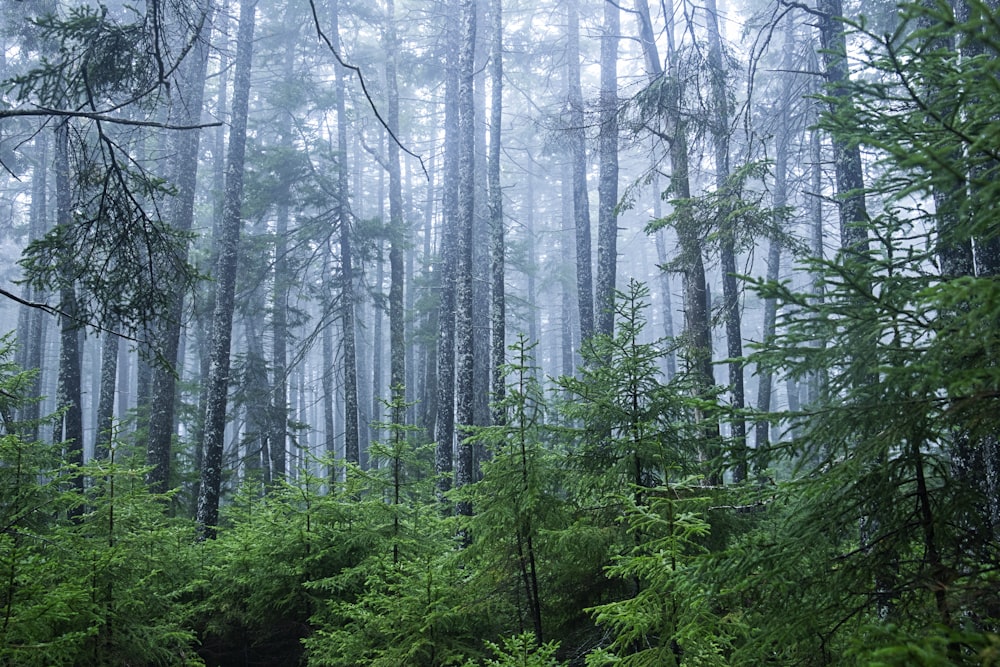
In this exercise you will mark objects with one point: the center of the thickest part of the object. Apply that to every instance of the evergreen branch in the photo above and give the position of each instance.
(934, 114)
(364, 88)
(98, 116)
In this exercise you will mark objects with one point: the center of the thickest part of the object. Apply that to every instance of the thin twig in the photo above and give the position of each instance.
(364, 88)
(52, 310)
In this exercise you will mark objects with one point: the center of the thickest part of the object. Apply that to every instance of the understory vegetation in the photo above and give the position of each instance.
(593, 540)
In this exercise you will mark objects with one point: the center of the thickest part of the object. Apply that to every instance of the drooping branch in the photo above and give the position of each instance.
(52, 310)
(364, 88)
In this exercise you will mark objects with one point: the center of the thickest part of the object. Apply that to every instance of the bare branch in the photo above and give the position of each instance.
(51, 310)
(89, 115)
(364, 88)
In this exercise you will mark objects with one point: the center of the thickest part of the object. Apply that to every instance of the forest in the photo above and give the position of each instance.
(510, 333)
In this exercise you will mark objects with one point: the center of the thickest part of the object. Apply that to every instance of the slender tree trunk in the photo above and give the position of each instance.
(662, 259)
(846, 156)
(69, 355)
(222, 319)
(164, 375)
(282, 280)
(33, 339)
(464, 414)
(607, 189)
(352, 437)
(498, 309)
(532, 259)
(727, 245)
(581, 203)
(256, 391)
(780, 194)
(377, 343)
(327, 375)
(444, 430)
(698, 334)
(397, 237)
(428, 375)
(568, 352)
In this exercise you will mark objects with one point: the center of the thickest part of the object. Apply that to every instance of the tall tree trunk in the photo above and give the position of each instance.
(352, 446)
(191, 91)
(444, 429)
(428, 374)
(69, 355)
(378, 305)
(727, 244)
(33, 338)
(846, 156)
(578, 144)
(282, 280)
(780, 194)
(254, 385)
(607, 189)
(697, 327)
(222, 318)
(531, 260)
(498, 308)
(662, 259)
(397, 237)
(464, 344)
(329, 410)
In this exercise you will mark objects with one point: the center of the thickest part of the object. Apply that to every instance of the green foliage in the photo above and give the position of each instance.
(413, 612)
(396, 595)
(633, 423)
(671, 618)
(930, 109)
(737, 209)
(882, 549)
(939, 647)
(123, 259)
(521, 651)
(95, 56)
(519, 513)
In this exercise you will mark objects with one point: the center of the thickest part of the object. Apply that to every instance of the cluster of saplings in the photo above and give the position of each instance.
(594, 538)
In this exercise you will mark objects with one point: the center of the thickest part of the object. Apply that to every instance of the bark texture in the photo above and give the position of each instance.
(207, 514)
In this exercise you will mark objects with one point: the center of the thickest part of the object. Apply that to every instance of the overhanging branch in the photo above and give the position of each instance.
(89, 115)
(364, 88)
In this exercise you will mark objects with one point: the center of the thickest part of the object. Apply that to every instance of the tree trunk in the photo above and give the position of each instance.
(607, 189)
(727, 244)
(352, 447)
(222, 318)
(498, 306)
(661, 257)
(697, 327)
(104, 422)
(327, 375)
(581, 203)
(164, 376)
(444, 428)
(780, 200)
(33, 338)
(846, 156)
(69, 355)
(282, 281)
(464, 413)
(397, 237)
